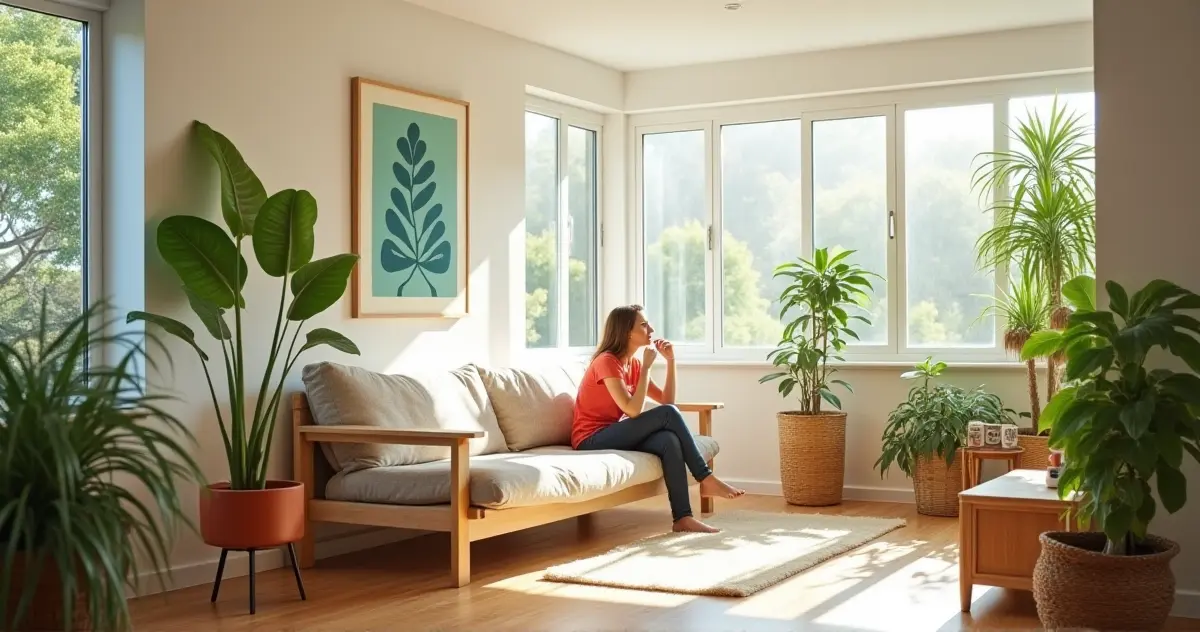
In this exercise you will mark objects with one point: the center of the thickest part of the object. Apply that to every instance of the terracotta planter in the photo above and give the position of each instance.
(1078, 587)
(812, 457)
(252, 519)
(45, 610)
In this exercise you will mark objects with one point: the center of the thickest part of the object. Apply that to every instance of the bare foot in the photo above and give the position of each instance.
(690, 524)
(715, 487)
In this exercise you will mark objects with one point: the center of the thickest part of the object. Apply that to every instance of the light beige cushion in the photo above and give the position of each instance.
(450, 399)
(549, 474)
(534, 404)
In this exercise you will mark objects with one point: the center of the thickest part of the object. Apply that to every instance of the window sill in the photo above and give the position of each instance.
(850, 364)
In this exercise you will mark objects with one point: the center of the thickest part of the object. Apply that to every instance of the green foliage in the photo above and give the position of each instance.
(822, 290)
(932, 422)
(210, 263)
(1120, 424)
(74, 442)
(426, 249)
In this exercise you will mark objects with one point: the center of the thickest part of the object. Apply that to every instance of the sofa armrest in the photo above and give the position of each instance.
(374, 434)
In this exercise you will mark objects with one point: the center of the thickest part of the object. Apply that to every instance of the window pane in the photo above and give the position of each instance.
(760, 215)
(676, 232)
(581, 206)
(944, 217)
(541, 229)
(42, 206)
(850, 212)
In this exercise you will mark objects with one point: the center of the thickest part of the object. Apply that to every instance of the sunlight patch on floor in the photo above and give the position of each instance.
(922, 594)
(532, 584)
(797, 595)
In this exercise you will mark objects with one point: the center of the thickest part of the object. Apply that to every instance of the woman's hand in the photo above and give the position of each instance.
(665, 348)
(648, 356)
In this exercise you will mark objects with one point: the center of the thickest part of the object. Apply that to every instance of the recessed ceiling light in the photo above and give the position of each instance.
(732, 6)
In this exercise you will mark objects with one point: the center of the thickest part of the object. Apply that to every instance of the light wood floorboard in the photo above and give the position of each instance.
(906, 580)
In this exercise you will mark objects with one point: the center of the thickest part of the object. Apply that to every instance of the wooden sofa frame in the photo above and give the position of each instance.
(465, 523)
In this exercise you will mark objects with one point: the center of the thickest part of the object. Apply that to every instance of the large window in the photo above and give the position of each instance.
(562, 236)
(46, 177)
(726, 197)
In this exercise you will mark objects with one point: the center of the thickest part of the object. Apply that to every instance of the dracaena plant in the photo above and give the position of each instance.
(823, 291)
(211, 264)
(1119, 423)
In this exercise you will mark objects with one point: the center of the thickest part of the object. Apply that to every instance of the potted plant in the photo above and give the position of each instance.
(1044, 209)
(1025, 311)
(251, 511)
(1123, 427)
(924, 434)
(77, 435)
(812, 442)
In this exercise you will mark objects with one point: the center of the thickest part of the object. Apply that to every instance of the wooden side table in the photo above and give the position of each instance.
(973, 459)
(1000, 522)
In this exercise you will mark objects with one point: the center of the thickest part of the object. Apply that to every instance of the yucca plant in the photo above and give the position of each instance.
(1045, 208)
(77, 436)
(1025, 311)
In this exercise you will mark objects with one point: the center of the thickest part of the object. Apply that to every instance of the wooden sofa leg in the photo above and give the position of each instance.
(706, 504)
(460, 500)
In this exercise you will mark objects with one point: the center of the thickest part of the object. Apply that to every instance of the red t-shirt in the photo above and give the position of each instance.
(595, 407)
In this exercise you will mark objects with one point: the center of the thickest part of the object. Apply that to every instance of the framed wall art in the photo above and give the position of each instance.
(409, 202)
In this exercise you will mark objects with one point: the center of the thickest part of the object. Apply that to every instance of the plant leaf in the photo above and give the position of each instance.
(424, 173)
(283, 232)
(321, 336)
(1080, 293)
(319, 284)
(209, 314)
(399, 229)
(400, 202)
(169, 325)
(419, 152)
(1172, 487)
(405, 150)
(435, 234)
(437, 261)
(401, 173)
(204, 257)
(1042, 344)
(434, 212)
(422, 198)
(242, 193)
(1117, 298)
(828, 396)
(393, 259)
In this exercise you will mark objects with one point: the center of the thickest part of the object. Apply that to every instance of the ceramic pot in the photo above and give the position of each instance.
(1076, 586)
(252, 518)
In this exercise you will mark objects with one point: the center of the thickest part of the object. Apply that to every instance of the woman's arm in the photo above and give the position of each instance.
(666, 393)
(632, 405)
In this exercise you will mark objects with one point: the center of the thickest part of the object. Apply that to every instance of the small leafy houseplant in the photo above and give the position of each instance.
(77, 436)
(212, 266)
(1125, 430)
(930, 426)
(823, 292)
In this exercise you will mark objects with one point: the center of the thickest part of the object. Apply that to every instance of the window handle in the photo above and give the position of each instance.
(891, 224)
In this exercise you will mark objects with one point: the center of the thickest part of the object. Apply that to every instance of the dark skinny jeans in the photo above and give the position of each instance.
(660, 431)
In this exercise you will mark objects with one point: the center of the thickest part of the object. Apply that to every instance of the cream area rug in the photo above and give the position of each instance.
(753, 551)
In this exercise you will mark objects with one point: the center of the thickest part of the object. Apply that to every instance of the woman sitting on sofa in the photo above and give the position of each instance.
(609, 416)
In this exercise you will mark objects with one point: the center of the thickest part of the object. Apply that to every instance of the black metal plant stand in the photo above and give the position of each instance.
(221, 571)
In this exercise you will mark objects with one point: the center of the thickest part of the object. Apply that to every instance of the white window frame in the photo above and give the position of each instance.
(91, 169)
(895, 103)
(569, 116)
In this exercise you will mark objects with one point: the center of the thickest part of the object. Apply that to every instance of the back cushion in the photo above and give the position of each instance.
(452, 399)
(534, 405)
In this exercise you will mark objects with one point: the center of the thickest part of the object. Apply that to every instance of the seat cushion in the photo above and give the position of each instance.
(549, 474)
(534, 404)
(448, 399)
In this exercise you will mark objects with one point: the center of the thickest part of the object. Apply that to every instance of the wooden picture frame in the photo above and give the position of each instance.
(409, 201)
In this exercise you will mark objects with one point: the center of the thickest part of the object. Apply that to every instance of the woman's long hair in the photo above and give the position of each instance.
(616, 331)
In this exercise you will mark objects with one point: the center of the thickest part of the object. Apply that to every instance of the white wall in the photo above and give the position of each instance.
(1147, 214)
(1025, 52)
(281, 91)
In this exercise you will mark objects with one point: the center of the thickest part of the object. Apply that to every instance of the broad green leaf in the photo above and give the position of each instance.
(1136, 416)
(204, 257)
(283, 232)
(1186, 347)
(1153, 295)
(1192, 450)
(1185, 386)
(1080, 293)
(1170, 448)
(843, 384)
(1088, 361)
(1054, 409)
(1118, 300)
(209, 314)
(319, 284)
(828, 396)
(321, 336)
(242, 193)
(1042, 344)
(1117, 523)
(169, 325)
(1172, 487)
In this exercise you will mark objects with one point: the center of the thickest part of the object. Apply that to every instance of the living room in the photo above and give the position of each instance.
(588, 155)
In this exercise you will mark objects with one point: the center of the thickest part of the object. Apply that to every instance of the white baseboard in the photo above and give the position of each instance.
(1187, 604)
(849, 492)
(237, 563)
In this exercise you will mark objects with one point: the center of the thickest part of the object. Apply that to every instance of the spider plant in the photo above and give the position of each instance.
(1026, 311)
(77, 436)
(1049, 220)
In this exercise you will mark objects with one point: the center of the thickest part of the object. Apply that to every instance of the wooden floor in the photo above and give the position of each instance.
(905, 581)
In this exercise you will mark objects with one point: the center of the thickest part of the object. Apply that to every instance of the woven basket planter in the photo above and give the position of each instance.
(812, 457)
(1078, 587)
(937, 485)
(1037, 452)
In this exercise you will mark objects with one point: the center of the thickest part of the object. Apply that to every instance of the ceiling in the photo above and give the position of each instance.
(640, 34)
